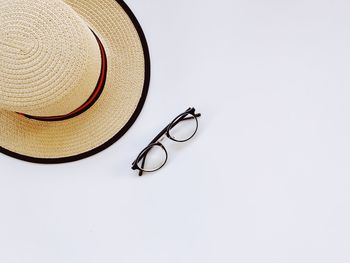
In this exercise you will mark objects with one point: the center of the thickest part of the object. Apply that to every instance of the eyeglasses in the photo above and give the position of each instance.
(181, 129)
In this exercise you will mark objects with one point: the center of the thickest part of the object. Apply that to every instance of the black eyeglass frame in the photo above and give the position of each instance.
(165, 131)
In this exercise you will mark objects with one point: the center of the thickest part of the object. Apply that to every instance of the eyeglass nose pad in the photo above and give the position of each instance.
(161, 139)
(160, 144)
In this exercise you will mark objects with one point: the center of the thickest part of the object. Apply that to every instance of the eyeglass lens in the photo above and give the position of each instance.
(155, 157)
(183, 127)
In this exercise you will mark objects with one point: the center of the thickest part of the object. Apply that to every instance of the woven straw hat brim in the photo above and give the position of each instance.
(120, 103)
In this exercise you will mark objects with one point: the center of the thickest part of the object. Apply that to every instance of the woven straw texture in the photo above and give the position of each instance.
(41, 77)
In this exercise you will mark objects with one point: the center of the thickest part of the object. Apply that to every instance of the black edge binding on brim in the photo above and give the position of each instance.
(127, 125)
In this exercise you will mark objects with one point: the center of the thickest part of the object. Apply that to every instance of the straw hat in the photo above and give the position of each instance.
(74, 75)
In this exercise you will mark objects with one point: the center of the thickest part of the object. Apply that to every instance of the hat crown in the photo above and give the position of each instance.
(49, 59)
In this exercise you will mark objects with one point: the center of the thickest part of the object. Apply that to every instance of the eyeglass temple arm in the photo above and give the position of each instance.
(159, 136)
(142, 164)
(197, 115)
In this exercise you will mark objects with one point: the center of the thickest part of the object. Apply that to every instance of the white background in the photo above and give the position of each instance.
(267, 177)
